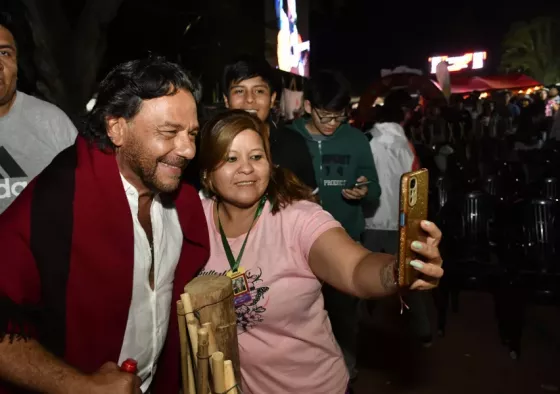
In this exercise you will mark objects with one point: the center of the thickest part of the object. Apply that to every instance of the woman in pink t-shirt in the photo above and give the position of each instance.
(278, 246)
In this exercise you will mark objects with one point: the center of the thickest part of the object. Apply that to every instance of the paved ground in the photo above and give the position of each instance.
(470, 359)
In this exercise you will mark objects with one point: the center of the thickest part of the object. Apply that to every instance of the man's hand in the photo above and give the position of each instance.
(356, 193)
(110, 380)
(29, 365)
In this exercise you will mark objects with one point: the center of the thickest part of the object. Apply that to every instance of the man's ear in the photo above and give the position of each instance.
(226, 101)
(272, 100)
(307, 106)
(116, 130)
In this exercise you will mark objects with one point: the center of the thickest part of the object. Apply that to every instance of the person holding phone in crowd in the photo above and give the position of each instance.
(341, 158)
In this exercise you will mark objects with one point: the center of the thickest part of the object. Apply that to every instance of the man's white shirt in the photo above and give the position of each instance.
(148, 316)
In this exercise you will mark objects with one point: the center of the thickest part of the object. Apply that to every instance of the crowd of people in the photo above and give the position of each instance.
(100, 233)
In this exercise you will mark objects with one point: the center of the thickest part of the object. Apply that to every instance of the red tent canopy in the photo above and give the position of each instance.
(463, 84)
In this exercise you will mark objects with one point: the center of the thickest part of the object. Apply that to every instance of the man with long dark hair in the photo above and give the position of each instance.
(98, 246)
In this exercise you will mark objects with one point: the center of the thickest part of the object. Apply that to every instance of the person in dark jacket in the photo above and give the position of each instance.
(248, 85)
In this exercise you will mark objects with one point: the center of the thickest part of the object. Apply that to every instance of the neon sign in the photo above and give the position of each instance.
(471, 60)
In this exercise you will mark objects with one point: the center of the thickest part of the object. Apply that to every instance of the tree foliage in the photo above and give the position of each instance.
(534, 48)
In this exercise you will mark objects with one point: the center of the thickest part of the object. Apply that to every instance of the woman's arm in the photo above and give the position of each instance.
(349, 267)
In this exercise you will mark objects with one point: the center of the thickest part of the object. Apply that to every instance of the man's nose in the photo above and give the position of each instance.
(186, 147)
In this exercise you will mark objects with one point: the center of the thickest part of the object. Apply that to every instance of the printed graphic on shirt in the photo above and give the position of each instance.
(335, 169)
(10, 170)
(250, 314)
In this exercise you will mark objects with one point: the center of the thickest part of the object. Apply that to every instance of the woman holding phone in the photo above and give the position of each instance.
(263, 227)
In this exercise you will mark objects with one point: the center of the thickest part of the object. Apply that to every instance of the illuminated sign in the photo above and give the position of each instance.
(468, 61)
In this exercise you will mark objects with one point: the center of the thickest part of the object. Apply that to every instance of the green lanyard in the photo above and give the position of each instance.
(234, 263)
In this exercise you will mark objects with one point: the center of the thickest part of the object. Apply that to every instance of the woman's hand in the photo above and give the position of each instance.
(431, 266)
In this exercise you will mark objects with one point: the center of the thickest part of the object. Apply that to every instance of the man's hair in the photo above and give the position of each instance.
(246, 67)
(329, 91)
(392, 110)
(121, 93)
(7, 21)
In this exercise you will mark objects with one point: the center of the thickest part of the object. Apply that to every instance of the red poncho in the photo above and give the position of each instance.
(68, 257)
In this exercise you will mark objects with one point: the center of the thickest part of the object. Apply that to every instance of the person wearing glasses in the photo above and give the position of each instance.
(346, 178)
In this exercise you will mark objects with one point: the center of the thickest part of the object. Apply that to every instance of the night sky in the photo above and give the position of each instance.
(358, 37)
(371, 35)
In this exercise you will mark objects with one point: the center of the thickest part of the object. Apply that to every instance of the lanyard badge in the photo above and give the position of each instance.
(241, 293)
(240, 285)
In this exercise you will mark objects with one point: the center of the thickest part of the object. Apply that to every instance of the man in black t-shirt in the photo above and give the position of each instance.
(248, 85)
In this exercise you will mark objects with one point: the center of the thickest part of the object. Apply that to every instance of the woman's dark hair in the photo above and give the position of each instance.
(217, 136)
(246, 67)
(329, 91)
(121, 93)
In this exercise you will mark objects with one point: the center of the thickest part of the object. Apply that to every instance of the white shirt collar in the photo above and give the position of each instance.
(128, 188)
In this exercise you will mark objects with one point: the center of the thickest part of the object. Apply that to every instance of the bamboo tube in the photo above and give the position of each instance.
(212, 347)
(192, 324)
(218, 377)
(229, 377)
(211, 342)
(212, 297)
(202, 385)
(187, 375)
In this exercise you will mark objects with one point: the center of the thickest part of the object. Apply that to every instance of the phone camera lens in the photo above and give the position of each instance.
(413, 183)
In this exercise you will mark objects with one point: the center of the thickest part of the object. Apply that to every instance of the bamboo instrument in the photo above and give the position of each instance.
(211, 342)
(192, 324)
(202, 385)
(218, 377)
(187, 374)
(212, 347)
(229, 377)
(212, 297)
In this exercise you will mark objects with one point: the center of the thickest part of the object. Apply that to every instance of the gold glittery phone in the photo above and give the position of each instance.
(413, 209)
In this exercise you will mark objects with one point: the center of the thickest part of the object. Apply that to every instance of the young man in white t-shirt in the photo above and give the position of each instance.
(32, 131)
